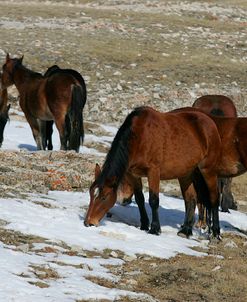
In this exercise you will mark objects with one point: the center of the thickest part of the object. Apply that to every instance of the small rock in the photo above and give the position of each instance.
(114, 254)
(231, 245)
(129, 258)
(131, 282)
(156, 95)
(117, 73)
(178, 83)
(78, 249)
(218, 267)
(119, 87)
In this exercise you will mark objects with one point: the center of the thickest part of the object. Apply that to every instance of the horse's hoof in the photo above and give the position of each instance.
(144, 228)
(154, 231)
(225, 211)
(214, 239)
(185, 232)
(126, 202)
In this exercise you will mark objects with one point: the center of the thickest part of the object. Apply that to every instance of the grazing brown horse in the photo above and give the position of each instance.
(48, 125)
(218, 105)
(159, 146)
(58, 98)
(4, 110)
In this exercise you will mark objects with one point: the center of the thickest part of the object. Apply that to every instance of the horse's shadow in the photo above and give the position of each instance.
(173, 218)
(130, 215)
(27, 147)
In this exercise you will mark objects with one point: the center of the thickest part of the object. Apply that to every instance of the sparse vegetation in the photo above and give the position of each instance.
(158, 53)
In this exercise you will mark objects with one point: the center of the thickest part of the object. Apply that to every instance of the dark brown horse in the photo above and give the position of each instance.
(218, 105)
(48, 125)
(4, 110)
(159, 146)
(58, 98)
(233, 160)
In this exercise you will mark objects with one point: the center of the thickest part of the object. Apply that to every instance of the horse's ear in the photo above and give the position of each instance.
(97, 171)
(7, 57)
(21, 58)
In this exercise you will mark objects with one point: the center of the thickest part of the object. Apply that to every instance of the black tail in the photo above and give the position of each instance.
(201, 188)
(75, 119)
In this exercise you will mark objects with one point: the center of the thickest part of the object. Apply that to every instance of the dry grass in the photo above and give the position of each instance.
(221, 276)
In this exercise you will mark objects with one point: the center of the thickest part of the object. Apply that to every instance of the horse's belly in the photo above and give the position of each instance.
(175, 172)
(46, 114)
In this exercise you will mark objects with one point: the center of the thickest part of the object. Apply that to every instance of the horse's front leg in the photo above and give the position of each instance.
(154, 185)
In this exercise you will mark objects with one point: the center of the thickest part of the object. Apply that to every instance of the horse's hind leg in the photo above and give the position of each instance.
(63, 132)
(154, 184)
(202, 216)
(190, 198)
(49, 131)
(207, 191)
(227, 201)
(43, 134)
(35, 126)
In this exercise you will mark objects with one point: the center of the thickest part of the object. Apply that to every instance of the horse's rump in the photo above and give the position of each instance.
(55, 69)
(218, 105)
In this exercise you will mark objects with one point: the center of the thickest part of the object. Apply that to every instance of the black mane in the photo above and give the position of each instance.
(118, 156)
(30, 72)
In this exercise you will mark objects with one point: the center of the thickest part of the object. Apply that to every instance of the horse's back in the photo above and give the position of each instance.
(218, 105)
(175, 141)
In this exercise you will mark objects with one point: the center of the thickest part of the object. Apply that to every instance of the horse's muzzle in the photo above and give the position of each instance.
(87, 224)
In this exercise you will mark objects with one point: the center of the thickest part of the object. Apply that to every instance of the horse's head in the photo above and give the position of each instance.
(102, 199)
(4, 117)
(9, 69)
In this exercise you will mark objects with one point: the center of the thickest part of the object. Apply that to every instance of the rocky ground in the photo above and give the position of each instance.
(159, 53)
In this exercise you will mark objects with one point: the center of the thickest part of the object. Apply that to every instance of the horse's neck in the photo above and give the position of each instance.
(24, 76)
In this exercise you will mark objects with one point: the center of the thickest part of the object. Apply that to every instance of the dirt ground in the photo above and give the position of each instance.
(159, 53)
